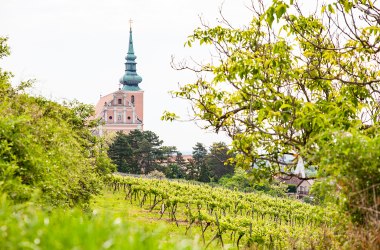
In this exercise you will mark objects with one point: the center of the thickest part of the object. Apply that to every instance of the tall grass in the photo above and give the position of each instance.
(29, 227)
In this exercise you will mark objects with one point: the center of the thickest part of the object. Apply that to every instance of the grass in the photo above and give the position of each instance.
(110, 226)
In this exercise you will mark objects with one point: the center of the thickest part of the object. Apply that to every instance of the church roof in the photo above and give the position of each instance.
(131, 88)
(100, 105)
(294, 180)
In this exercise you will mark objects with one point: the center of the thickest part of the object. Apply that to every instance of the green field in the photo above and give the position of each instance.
(113, 204)
(187, 216)
(108, 226)
(220, 217)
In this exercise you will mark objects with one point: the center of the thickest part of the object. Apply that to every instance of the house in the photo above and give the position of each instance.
(302, 186)
(187, 159)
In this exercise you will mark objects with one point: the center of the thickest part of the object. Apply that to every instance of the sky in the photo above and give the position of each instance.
(75, 49)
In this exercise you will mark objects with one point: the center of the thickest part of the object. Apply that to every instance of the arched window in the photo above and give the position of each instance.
(133, 99)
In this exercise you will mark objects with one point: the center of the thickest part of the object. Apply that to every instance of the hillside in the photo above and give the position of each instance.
(227, 218)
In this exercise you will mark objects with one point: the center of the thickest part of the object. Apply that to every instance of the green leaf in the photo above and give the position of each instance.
(261, 115)
(323, 9)
(280, 10)
(331, 8)
(270, 16)
(285, 105)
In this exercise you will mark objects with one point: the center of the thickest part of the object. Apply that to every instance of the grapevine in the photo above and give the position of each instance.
(252, 218)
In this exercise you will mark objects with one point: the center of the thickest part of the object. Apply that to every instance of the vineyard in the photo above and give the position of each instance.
(242, 219)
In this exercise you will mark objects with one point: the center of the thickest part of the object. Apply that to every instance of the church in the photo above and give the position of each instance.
(123, 110)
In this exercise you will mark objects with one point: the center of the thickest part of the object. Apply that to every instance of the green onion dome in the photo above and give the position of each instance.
(130, 79)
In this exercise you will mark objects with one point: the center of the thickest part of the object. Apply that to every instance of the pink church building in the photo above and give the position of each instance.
(123, 110)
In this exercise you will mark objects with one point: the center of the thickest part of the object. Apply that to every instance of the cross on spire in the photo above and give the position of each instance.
(130, 79)
(130, 23)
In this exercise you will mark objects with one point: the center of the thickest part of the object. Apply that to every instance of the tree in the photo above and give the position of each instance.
(120, 152)
(217, 161)
(137, 152)
(199, 163)
(167, 152)
(179, 160)
(174, 171)
(183, 166)
(285, 87)
(148, 151)
(273, 91)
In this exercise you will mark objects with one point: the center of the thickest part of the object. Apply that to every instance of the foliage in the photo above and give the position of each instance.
(325, 191)
(29, 227)
(120, 151)
(291, 188)
(179, 159)
(355, 165)
(250, 219)
(206, 166)
(273, 188)
(273, 87)
(238, 181)
(156, 174)
(201, 169)
(101, 160)
(217, 161)
(137, 152)
(174, 171)
(47, 148)
(39, 149)
(167, 152)
(242, 181)
(297, 81)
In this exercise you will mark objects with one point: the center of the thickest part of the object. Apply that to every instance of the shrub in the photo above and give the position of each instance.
(47, 148)
(352, 170)
(156, 174)
(242, 181)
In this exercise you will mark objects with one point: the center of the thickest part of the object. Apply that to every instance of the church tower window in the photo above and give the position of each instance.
(118, 101)
(133, 99)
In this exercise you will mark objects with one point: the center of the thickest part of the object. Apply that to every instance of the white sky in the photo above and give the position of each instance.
(75, 49)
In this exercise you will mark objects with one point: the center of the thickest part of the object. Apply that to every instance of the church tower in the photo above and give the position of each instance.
(123, 110)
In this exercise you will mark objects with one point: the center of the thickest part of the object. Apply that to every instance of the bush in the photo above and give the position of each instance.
(156, 174)
(242, 181)
(239, 181)
(40, 149)
(350, 167)
(47, 148)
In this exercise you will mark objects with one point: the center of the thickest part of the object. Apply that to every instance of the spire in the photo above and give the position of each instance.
(130, 79)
